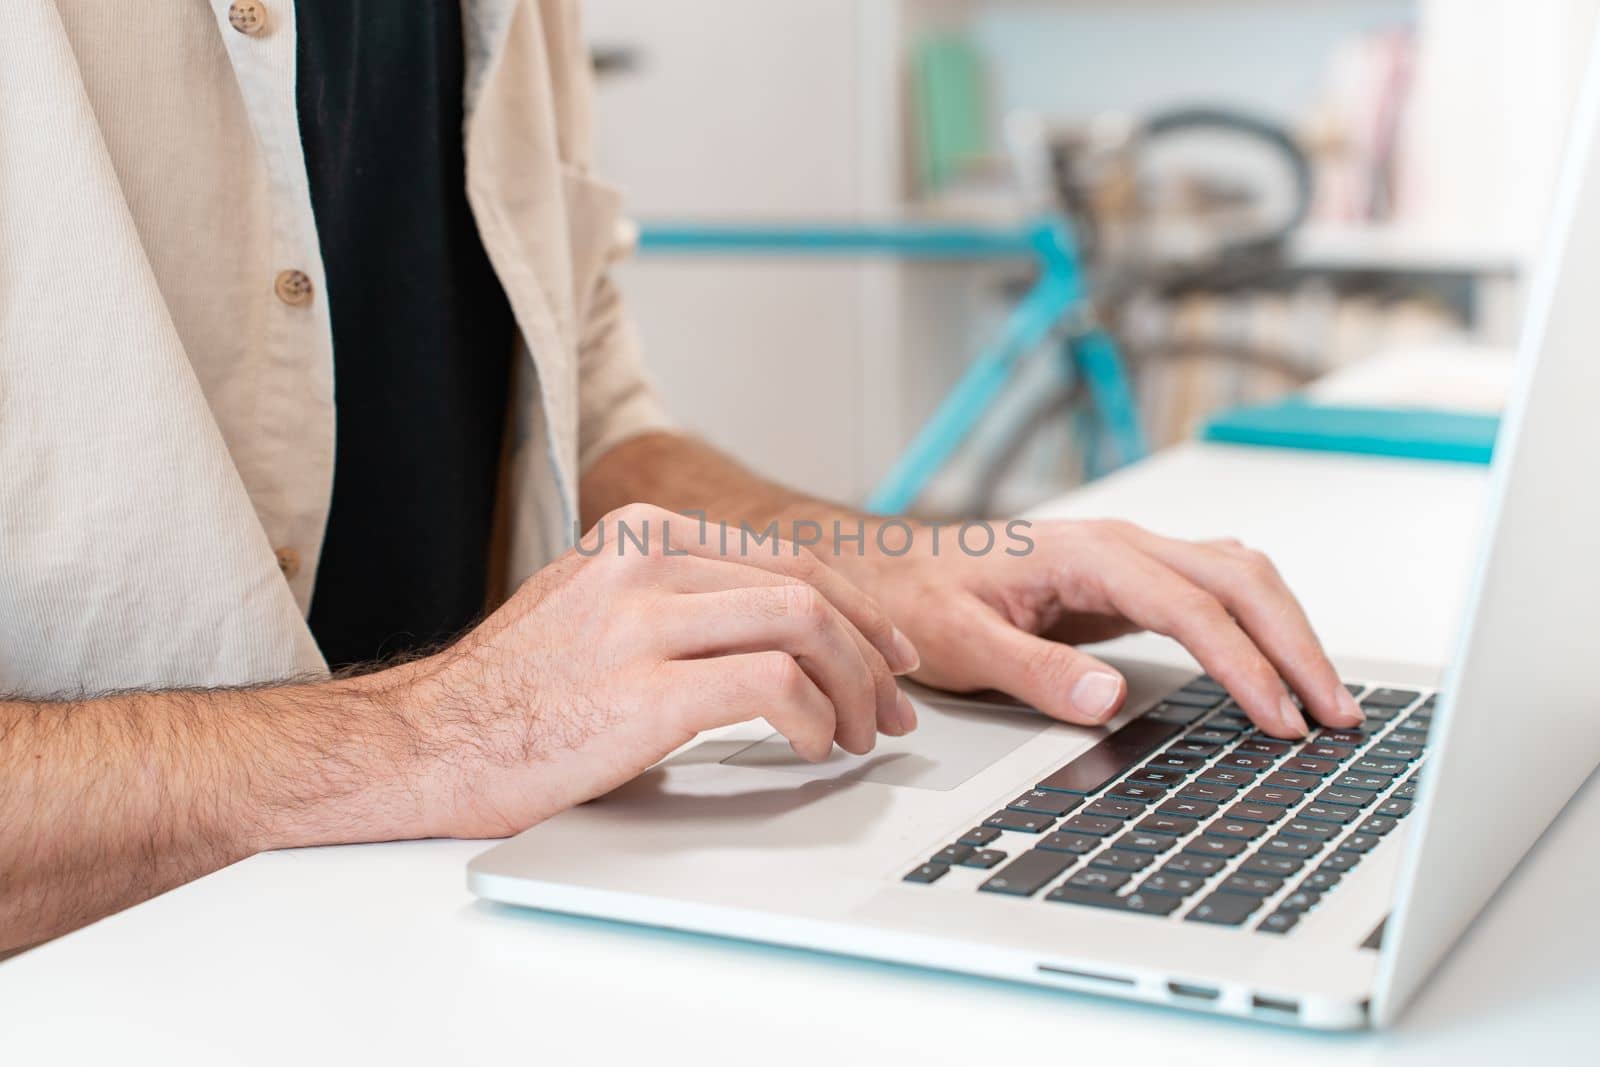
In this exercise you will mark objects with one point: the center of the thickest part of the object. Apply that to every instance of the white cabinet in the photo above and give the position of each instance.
(738, 111)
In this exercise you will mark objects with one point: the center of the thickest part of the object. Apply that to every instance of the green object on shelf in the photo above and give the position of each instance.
(1407, 433)
(950, 107)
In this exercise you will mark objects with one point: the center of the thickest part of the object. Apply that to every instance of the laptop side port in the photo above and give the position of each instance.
(1085, 976)
(1278, 1007)
(1190, 991)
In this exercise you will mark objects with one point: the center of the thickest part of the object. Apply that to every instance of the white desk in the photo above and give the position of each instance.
(377, 954)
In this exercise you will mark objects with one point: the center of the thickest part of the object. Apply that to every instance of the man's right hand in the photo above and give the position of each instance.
(610, 658)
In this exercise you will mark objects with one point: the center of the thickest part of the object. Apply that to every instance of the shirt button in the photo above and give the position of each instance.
(288, 562)
(249, 17)
(294, 287)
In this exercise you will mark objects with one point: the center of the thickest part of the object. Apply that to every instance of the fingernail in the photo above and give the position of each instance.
(908, 713)
(1290, 716)
(906, 659)
(1353, 715)
(1095, 695)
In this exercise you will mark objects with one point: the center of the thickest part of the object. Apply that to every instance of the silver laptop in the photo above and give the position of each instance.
(1177, 857)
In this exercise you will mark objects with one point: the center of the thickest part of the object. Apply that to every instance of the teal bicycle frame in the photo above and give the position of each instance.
(1057, 304)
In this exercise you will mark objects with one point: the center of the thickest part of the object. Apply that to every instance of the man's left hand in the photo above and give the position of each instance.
(1011, 621)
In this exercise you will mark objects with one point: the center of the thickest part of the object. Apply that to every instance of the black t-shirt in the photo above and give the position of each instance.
(422, 332)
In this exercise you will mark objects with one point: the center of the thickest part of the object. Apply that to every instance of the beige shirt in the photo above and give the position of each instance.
(166, 359)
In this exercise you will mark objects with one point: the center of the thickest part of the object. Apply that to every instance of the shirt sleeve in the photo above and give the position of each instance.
(616, 399)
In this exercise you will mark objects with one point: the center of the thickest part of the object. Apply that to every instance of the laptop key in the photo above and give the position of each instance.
(1267, 794)
(1142, 841)
(1020, 821)
(1028, 873)
(1254, 884)
(1393, 698)
(1117, 859)
(1354, 738)
(1360, 843)
(1299, 847)
(1340, 861)
(1045, 802)
(1321, 881)
(1350, 798)
(984, 859)
(1300, 900)
(1195, 698)
(1279, 922)
(1358, 780)
(1107, 808)
(1158, 775)
(1323, 750)
(1171, 883)
(1253, 812)
(1231, 777)
(1305, 765)
(1069, 842)
(1174, 761)
(1112, 755)
(1408, 753)
(1187, 809)
(1395, 809)
(1099, 880)
(1406, 792)
(1236, 828)
(928, 872)
(1226, 847)
(1145, 903)
(1233, 727)
(1210, 736)
(979, 836)
(1272, 866)
(1211, 794)
(1092, 824)
(1246, 761)
(1191, 747)
(1174, 714)
(1207, 684)
(1190, 863)
(1175, 825)
(1143, 792)
(1224, 909)
(1321, 831)
(951, 854)
(1262, 746)
(1334, 813)
(1391, 767)
(1285, 780)
(1414, 738)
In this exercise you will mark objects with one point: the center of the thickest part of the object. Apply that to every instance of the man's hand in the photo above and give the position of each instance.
(624, 649)
(1009, 622)
(599, 666)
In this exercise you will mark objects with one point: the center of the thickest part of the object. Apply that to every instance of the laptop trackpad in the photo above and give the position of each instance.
(950, 745)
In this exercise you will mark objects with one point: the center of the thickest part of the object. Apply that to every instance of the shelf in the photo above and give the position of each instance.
(1403, 249)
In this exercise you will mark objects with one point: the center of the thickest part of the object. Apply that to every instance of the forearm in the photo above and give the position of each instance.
(106, 802)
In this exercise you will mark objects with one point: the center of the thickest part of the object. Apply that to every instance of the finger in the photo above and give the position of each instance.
(892, 710)
(795, 561)
(703, 694)
(1250, 588)
(1057, 679)
(1158, 598)
(793, 618)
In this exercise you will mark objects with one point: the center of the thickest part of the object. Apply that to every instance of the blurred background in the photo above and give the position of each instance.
(1260, 194)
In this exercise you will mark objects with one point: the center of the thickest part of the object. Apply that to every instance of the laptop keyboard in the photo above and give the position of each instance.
(1190, 813)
